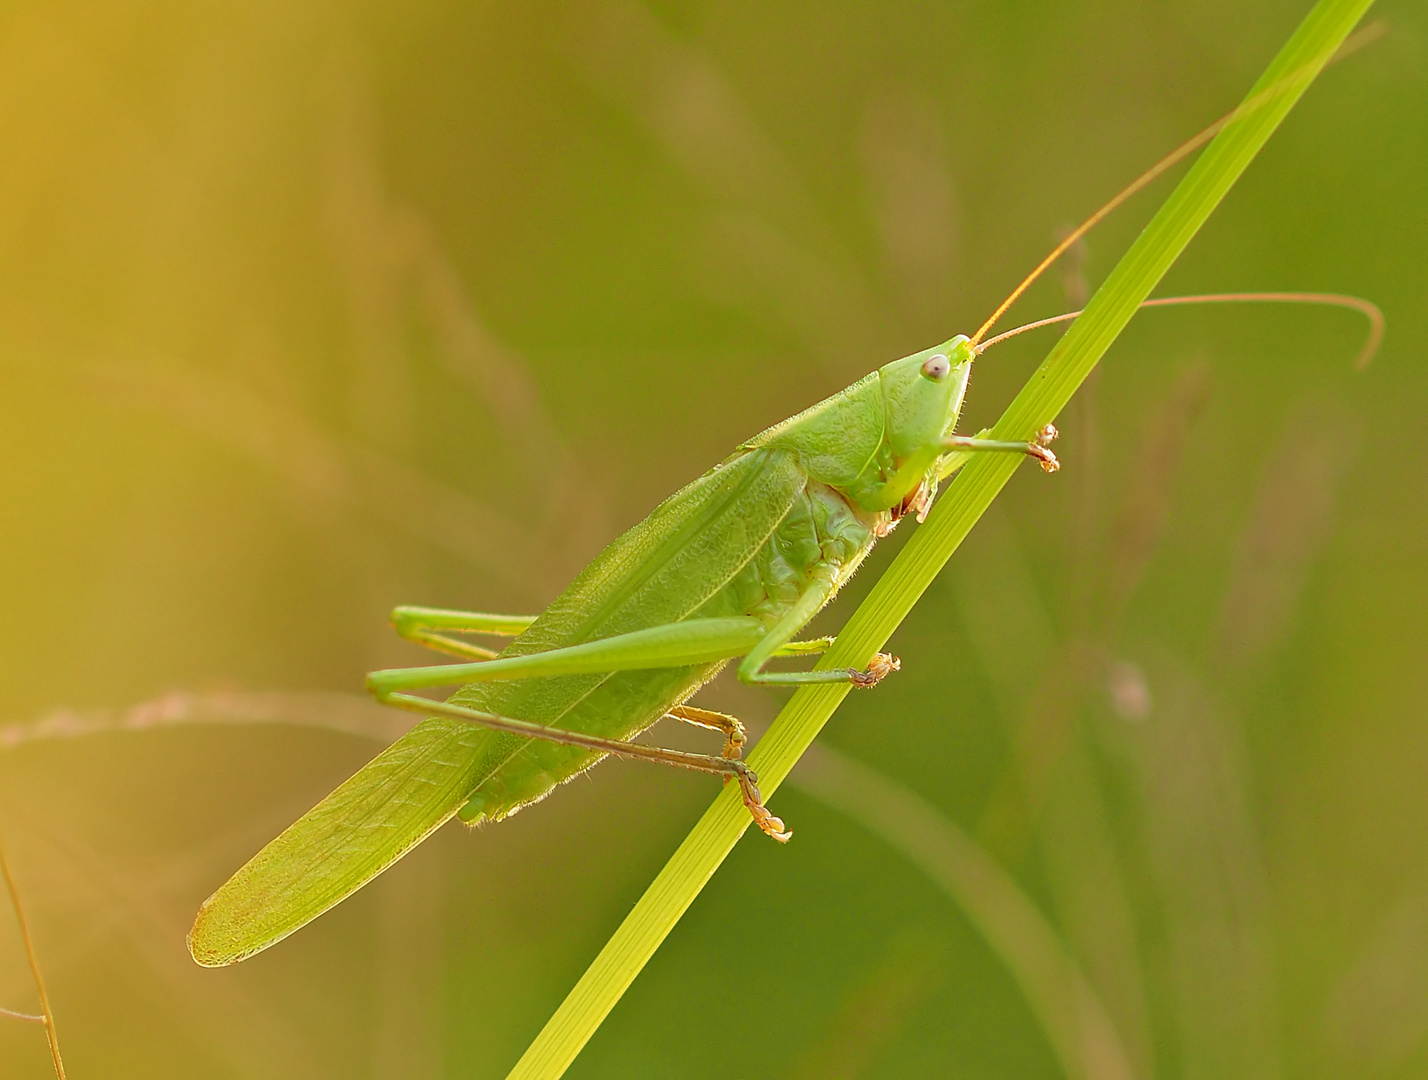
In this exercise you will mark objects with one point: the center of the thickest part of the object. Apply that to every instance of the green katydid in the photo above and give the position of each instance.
(732, 567)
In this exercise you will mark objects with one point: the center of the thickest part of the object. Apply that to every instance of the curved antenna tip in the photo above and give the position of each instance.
(1367, 308)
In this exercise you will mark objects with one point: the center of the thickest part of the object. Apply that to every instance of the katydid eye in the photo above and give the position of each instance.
(936, 367)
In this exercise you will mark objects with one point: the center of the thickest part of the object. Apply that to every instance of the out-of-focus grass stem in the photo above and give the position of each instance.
(1068, 1008)
(48, 1017)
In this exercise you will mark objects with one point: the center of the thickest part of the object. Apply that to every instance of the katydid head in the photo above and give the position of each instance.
(886, 441)
(880, 440)
(922, 396)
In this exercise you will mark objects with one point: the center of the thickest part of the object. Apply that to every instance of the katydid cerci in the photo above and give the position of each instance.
(731, 567)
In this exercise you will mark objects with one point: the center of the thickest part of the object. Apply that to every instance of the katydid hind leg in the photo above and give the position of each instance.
(734, 738)
(728, 767)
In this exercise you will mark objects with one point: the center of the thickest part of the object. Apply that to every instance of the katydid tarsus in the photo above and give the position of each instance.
(732, 567)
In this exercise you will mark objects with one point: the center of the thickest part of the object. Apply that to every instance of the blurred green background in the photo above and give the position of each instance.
(307, 310)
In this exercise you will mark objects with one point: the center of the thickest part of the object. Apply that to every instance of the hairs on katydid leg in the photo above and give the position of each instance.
(1367, 308)
(1368, 34)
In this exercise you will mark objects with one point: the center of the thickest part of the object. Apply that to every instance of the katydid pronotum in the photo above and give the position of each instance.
(732, 567)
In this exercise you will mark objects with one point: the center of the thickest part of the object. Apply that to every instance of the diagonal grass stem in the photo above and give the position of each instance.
(1040, 400)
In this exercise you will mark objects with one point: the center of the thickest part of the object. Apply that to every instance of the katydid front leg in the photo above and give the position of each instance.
(1039, 448)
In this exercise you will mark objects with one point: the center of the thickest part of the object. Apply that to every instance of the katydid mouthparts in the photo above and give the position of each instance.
(730, 568)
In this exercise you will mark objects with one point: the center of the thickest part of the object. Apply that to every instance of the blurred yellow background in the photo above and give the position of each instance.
(308, 310)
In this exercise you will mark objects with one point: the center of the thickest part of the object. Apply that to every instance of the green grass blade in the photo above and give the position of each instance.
(1043, 397)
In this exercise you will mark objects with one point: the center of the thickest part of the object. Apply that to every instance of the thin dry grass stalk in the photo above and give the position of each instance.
(48, 1017)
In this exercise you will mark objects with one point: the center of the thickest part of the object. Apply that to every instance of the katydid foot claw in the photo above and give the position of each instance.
(1041, 448)
(881, 667)
(771, 825)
